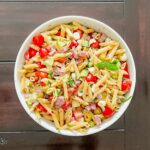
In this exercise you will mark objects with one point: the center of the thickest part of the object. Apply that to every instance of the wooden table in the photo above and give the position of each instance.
(131, 18)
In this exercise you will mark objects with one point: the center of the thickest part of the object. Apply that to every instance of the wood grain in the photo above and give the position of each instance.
(18, 19)
(137, 118)
(62, 0)
(106, 140)
(13, 117)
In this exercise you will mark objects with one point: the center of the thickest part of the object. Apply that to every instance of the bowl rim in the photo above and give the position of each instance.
(112, 120)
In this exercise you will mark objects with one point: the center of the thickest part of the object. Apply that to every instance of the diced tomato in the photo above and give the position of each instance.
(77, 114)
(41, 108)
(126, 75)
(29, 53)
(91, 78)
(126, 85)
(95, 44)
(36, 79)
(62, 60)
(108, 112)
(32, 52)
(50, 97)
(38, 39)
(41, 74)
(73, 44)
(72, 55)
(40, 65)
(43, 52)
(58, 33)
(42, 83)
(90, 34)
(26, 55)
(66, 105)
(72, 90)
(79, 31)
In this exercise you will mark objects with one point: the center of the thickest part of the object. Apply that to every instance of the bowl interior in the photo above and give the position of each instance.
(98, 26)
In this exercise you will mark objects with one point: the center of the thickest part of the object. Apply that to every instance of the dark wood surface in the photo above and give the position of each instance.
(131, 18)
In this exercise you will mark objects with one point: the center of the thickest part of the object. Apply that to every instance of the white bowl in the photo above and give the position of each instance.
(98, 26)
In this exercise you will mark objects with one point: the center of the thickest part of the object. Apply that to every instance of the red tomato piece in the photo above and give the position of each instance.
(91, 78)
(40, 65)
(108, 112)
(72, 55)
(41, 108)
(32, 52)
(58, 33)
(38, 40)
(95, 44)
(65, 105)
(36, 79)
(73, 44)
(62, 60)
(43, 52)
(126, 85)
(91, 35)
(50, 97)
(42, 83)
(26, 55)
(126, 75)
(77, 114)
(41, 74)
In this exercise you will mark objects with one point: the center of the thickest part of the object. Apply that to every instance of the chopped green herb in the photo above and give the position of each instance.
(51, 74)
(127, 99)
(81, 91)
(85, 43)
(68, 124)
(115, 61)
(71, 82)
(107, 65)
(49, 82)
(57, 92)
(95, 99)
(70, 23)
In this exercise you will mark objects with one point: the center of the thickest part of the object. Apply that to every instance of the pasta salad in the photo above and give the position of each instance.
(74, 76)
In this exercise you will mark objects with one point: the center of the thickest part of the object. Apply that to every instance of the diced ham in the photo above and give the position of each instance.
(77, 115)
(59, 102)
(99, 96)
(84, 54)
(64, 49)
(74, 54)
(77, 82)
(52, 50)
(102, 38)
(97, 119)
(88, 108)
(93, 106)
(58, 71)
